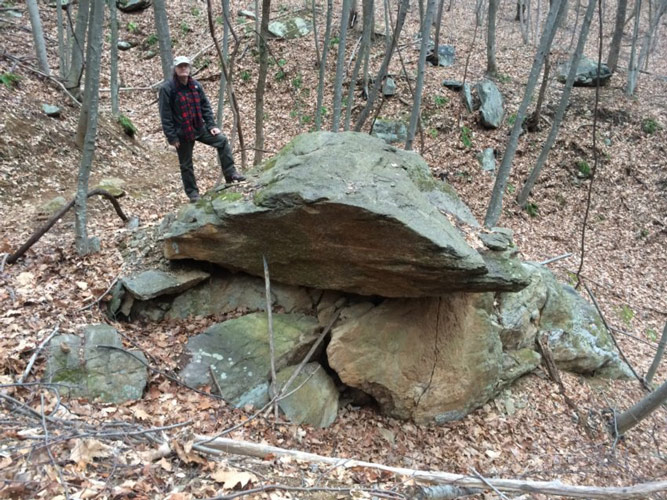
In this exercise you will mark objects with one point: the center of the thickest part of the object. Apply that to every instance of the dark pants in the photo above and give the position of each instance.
(219, 142)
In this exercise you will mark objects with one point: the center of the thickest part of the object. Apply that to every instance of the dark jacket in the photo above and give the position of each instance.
(170, 112)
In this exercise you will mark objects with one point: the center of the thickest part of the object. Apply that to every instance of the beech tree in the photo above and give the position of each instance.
(491, 67)
(75, 69)
(323, 65)
(632, 65)
(495, 205)
(615, 45)
(261, 82)
(113, 63)
(419, 87)
(340, 67)
(382, 72)
(562, 106)
(88, 117)
(163, 37)
(38, 37)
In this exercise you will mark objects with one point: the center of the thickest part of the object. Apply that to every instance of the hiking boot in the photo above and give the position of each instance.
(234, 177)
(194, 198)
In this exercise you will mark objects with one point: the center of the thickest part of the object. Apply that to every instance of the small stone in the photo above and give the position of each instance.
(247, 13)
(153, 283)
(452, 84)
(487, 160)
(389, 87)
(50, 110)
(125, 45)
(133, 5)
(113, 185)
(467, 98)
(52, 206)
(390, 131)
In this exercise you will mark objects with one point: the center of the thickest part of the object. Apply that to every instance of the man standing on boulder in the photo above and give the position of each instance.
(186, 117)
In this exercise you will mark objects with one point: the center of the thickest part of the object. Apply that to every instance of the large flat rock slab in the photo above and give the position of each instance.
(342, 212)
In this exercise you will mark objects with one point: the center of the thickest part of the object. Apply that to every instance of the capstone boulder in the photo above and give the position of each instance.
(345, 212)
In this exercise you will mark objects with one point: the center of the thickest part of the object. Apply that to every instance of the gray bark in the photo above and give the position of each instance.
(491, 66)
(38, 37)
(364, 49)
(90, 104)
(615, 46)
(62, 64)
(495, 205)
(323, 66)
(653, 28)
(372, 95)
(479, 12)
(419, 87)
(313, 13)
(438, 25)
(340, 67)
(631, 417)
(225, 54)
(78, 44)
(632, 66)
(524, 20)
(113, 84)
(163, 37)
(562, 106)
(658, 356)
(261, 82)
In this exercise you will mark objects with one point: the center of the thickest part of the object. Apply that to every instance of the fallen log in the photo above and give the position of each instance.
(51, 222)
(219, 446)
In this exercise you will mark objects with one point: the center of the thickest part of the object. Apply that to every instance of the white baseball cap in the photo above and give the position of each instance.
(182, 60)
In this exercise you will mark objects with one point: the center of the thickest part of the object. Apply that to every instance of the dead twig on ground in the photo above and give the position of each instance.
(220, 446)
(312, 489)
(33, 358)
(555, 259)
(48, 449)
(51, 222)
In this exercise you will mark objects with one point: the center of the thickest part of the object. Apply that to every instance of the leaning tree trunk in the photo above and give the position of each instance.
(433, 58)
(658, 356)
(91, 102)
(419, 87)
(491, 66)
(495, 205)
(632, 66)
(113, 84)
(372, 95)
(631, 417)
(323, 66)
(653, 28)
(75, 69)
(38, 36)
(261, 82)
(562, 105)
(340, 67)
(615, 46)
(163, 37)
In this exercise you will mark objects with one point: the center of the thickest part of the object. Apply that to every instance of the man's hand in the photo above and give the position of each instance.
(176, 144)
(215, 131)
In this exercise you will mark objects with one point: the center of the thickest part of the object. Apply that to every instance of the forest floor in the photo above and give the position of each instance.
(528, 432)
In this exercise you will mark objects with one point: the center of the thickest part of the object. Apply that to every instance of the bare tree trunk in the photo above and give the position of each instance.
(419, 87)
(225, 54)
(631, 417)
(533, 121)
(62, 65)
(400, 20)
(364, 48)
(261, 82)
(495, 205)
(313, 13)
(632, 66)
(562, 106)
(615, 46)
(38, 36)
(90, 104)
(658, 356)
(163, 37)
(340, 67)
(653, 28)
(323, 66)
(113, 84)
(78, 47)
(479, 12)
(491, 66)
(436, 40)
(524, 21)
